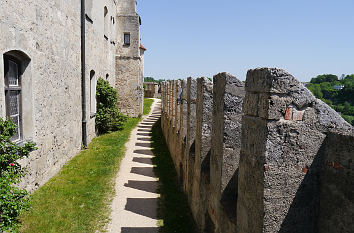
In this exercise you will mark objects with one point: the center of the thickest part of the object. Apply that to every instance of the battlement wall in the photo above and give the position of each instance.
(259, 156)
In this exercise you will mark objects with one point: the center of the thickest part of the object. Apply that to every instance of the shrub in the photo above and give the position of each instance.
(108, 117)
(13, 200)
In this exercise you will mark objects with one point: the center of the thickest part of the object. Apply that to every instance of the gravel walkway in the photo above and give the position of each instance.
(135, 204)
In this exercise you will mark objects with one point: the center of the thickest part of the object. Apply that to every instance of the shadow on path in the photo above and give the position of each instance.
(144, 152)
(142, 206)
(139, 230)
(147, 186)
(144, 171)
(142, 160)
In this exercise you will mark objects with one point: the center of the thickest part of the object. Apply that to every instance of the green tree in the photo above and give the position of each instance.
(316, 90)
(348, 109)
(149, 79)
(324, 78)
(342, 100)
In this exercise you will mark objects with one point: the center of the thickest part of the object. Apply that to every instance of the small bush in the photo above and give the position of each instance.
(108, 117)
(13, 200)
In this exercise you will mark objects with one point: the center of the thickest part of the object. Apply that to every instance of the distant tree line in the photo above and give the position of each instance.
(336, 92)
(151, 79)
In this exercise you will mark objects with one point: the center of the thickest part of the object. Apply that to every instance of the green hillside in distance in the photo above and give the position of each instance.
(336, 92)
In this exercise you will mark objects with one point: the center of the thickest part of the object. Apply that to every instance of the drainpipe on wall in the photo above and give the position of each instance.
(83, 79)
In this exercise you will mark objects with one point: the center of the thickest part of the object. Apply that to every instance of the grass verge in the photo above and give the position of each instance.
(173, 205)
(147, 105)
(77, 199)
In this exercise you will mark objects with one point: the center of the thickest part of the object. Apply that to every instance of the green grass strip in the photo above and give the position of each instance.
(173, 206)
(147, 105)
(78, 198)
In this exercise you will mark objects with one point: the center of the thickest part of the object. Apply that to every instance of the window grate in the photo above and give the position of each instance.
(14, 102)
(12, 74)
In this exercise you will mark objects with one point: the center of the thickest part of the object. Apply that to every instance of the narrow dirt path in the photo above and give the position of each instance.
(134, 208)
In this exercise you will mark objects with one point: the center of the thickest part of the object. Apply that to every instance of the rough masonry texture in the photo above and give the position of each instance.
(268, 156)
(283, 134)
(183, 130)
(151, 90)
(228, 95)
(337, 182)
(44, 36)
(189, 153)
(201, 177)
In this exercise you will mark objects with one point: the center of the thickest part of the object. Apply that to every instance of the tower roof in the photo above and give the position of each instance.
(142, 47)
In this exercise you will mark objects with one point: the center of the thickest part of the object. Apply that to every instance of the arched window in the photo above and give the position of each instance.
(18, 93)
(106, 22)
(13, 94)
(107, 76)
(92, 93)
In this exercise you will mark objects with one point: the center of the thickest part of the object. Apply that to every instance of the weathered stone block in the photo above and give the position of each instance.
(228, 95)
(171, 119)
(184, 109)
(270, 80)
(190, 137)
(202, 147)
(176, 143)
(182, 129)
(162, 97)
(173, 102)
(337, 185)
(162, 105)
(178, 109)
(169, 99)
(281, 154)
(250, 104)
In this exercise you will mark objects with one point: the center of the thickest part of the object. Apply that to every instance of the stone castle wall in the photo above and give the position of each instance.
(264, 156)
(101, 46)
(47, 36)
(50, 37)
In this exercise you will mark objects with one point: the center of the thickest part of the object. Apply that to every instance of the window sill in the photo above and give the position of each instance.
(21, 142)
(92, 115)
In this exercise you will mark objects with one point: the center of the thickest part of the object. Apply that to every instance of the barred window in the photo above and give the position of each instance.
(13, 94)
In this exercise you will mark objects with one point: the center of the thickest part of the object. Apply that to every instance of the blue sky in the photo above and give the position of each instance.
(203, 37)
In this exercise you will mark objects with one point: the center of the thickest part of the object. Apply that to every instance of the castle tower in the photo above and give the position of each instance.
(129, 59)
